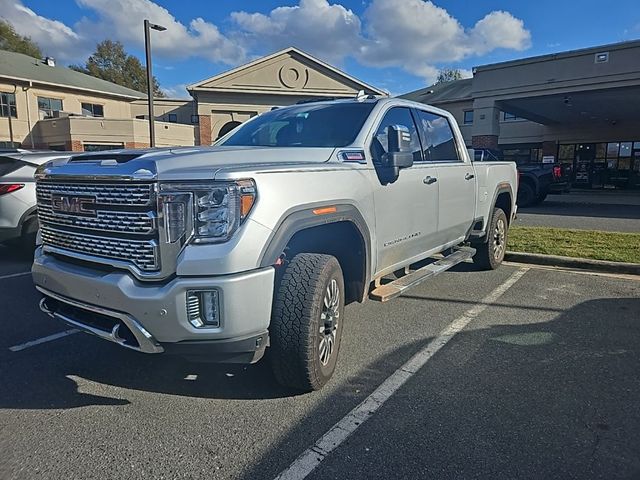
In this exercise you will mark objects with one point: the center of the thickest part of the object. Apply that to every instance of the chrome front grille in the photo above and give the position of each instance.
(140, 194)
(142, 253)
(110, 221)
(114, 223)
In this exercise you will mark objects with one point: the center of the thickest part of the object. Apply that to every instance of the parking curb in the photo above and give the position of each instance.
(571, 262)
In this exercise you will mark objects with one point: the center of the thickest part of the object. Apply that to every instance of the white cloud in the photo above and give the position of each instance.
(329, 31)
(54, 37)
(414, 35)
(417, 35)
(122, 20)
(499, 29)
(176, 91)
(466, 73)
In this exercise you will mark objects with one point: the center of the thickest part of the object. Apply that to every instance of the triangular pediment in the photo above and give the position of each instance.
(289, 71)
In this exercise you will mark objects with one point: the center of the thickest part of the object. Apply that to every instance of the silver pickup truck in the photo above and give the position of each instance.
(257, 243)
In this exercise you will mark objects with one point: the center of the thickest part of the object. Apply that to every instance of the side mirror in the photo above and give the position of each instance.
(399, 153)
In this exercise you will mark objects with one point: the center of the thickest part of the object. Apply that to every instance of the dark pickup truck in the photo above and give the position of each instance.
(536, 180)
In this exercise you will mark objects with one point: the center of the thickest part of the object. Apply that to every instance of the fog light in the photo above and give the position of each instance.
(203, 309)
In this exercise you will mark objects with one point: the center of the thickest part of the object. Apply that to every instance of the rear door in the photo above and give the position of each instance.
(456, 177)
(406, 211)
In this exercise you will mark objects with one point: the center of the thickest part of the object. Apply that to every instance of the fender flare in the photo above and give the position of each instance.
(502, 187)
(302, 217)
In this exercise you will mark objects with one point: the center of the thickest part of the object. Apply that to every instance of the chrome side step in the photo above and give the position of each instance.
(395, 288)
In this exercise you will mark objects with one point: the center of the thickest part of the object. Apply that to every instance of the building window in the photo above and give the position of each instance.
(173, 118)
(567, 153)
(624, 160)
(49, 105)
(99, 147)
(93, 109)
(195, 119)
(509, 117)
(523, 155)
(8, 105)
(468, 117)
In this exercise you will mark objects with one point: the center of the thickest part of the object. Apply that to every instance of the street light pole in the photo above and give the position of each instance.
(147, 46)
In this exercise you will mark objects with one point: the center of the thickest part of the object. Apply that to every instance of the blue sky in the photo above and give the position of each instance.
(397, 45)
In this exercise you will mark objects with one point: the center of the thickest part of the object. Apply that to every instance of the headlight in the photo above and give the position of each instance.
(218, 209)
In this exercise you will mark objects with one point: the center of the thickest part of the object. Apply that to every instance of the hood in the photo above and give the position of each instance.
(184, 163)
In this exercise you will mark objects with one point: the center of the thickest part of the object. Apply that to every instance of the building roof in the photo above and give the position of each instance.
(559, 55)
(453, 91)
(21, 67)
(288, 50)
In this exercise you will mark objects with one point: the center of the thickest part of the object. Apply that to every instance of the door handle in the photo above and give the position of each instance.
(428, 180)
(469, 176)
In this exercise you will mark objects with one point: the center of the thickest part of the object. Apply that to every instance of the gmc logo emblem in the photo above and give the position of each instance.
(73, 204)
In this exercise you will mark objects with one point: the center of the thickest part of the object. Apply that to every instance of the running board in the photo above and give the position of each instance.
(395, 288)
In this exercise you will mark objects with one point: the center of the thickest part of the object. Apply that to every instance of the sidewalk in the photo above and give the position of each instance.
(600, 197)
(607, 210)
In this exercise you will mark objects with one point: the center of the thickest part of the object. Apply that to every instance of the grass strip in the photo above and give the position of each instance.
(612, 246)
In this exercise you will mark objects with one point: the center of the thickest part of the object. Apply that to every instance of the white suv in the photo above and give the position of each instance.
(18, 216)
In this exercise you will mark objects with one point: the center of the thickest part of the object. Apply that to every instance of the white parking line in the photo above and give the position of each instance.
(38, 341)
(13, 275)
(331, 440)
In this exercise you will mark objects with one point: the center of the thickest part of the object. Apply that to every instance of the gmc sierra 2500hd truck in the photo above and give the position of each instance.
(258, 242)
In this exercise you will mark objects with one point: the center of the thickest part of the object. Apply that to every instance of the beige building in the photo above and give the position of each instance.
(578, 107)
(49, 107)
(282, 78)
(44, 106)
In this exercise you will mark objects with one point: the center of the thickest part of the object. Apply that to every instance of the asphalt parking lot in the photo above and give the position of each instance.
(615, 211)
(540, 381)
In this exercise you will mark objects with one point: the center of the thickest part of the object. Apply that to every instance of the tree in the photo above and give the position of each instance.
(14, 42)
(448, 75)
(110, 62)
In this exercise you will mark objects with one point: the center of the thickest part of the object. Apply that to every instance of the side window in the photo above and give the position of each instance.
(396, 116)
(440, 144)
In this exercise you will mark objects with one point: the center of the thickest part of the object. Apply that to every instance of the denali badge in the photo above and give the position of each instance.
(73, 204)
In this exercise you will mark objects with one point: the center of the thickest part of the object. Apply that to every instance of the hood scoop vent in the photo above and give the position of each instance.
(105, 159)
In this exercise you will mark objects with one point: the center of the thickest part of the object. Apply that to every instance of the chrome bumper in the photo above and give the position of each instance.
(144, 341)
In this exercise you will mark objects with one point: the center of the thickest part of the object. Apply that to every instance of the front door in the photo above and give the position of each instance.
(456, 180)
(585, 155)
(635, 166)
(406, 210)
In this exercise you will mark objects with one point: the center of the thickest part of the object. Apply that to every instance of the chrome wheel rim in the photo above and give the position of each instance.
(499, 236)
(329, 322)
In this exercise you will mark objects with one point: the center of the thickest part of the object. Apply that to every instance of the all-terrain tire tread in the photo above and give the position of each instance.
(299, 296)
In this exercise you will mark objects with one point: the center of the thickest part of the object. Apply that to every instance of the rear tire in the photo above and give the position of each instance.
(306, 326)
(490, 254)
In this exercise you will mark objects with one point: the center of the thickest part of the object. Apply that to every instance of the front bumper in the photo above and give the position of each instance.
(152, 317)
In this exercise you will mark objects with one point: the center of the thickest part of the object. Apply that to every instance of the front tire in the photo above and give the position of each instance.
(541, 198)
(526, 195)
(490, 254)
(306, 326)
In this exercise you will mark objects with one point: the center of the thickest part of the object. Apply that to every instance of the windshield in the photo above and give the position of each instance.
(308, 125)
